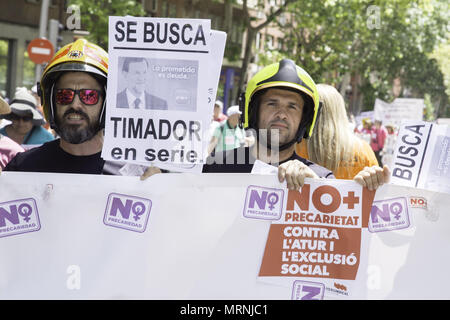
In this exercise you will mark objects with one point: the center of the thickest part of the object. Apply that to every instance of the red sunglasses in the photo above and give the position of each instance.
(87, 96)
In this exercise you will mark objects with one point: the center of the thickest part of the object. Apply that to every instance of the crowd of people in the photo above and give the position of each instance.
(381, 138)
(280, 101)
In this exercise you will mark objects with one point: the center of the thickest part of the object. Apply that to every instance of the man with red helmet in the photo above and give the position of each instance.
(73, 92)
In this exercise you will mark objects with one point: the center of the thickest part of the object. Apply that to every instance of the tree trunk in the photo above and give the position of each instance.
(251, 34)
(344, 83)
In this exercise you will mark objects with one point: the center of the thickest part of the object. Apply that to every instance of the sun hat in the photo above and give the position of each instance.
(219, 103)
(4, 107)
(24, 104)
(233, 110)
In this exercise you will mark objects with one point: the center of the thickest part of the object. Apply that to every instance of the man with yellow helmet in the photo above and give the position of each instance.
(73, 92)
(282, 101)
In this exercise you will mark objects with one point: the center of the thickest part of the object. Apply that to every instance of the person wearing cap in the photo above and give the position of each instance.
(72, 88)
(228, 135)
(364, 129)
(26, 127)
(218, 115)
(8, 148)
(281, 104)
(34, 92)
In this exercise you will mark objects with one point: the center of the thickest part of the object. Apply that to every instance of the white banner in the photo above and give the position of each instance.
(186, 236)
(364, 114)
(162, 80)
(422, 156)
(397, 111)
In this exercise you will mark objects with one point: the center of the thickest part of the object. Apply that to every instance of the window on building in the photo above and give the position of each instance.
(269, 42)
(4, 67)
(164, 9)
(258, 41)
(235, 32)
(216, 22)
(240, 33)
(172, 10)
(154, 5)
(282, 20)
(280, 43)
(29, 70)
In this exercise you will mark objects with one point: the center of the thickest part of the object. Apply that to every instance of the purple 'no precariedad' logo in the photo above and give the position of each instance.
(18, 216)
(127, 212)
(389, 214)
(263, 203)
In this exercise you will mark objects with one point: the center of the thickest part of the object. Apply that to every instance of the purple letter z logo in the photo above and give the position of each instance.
(307, 290)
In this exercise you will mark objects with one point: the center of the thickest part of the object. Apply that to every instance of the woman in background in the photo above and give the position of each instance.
(332, 144)
(26, 121)
(8, 148)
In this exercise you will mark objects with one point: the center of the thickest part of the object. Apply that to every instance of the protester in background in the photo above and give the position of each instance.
(282, 101)
(378, 136)
(365, 131)
(332, 145)
(387, 154)
(8, 148)
(218, 109)
(217, 118)
(39, 108)
(26, 121)
(352, 122)
(3, 95)
(73, 94)
(229, 135)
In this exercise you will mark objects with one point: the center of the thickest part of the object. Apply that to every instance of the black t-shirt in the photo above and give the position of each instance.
(241, 160)
(51, 158)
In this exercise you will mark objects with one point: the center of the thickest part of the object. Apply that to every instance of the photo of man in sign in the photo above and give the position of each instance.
(134, 73)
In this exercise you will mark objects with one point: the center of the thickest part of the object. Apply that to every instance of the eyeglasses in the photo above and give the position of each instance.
(87, 96)
(15, 117)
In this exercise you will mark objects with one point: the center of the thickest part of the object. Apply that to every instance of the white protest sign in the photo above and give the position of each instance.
(185, 236)
(407, 236)
(422, 156)
(397, 111)
(315, 240)
(218, 40)
(158, 81)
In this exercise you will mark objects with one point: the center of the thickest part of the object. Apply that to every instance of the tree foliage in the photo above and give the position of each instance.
(363, 43)
(95, 14)
(253, 26)
(374, 41)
